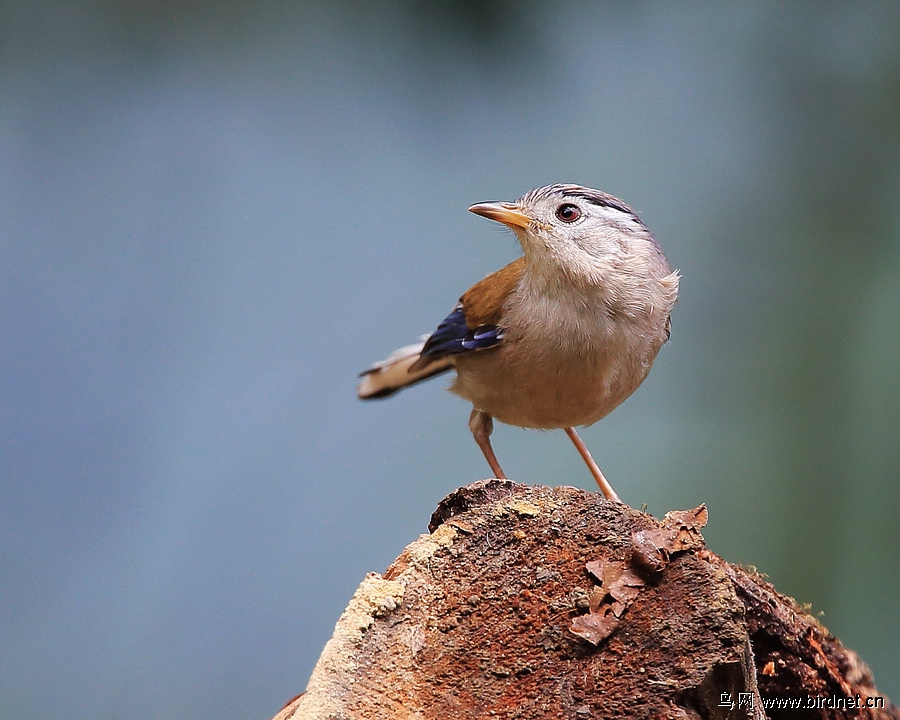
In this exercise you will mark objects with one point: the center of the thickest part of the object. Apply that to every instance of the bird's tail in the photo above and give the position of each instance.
(393, 373)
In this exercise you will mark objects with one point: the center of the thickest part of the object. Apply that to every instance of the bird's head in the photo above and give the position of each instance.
(586, 235)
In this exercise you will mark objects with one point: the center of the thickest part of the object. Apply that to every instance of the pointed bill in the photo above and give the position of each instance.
(504, 212)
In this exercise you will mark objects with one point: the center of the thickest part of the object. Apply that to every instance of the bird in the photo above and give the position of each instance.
(559, 337)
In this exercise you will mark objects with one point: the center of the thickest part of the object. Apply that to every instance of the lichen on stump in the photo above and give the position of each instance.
(536, 602)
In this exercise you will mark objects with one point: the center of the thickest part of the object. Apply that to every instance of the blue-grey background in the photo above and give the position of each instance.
(213, 215)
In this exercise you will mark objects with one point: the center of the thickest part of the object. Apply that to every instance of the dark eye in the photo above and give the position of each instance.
(568, 212)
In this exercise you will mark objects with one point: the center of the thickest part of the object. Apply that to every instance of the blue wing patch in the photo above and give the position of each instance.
(453, 336)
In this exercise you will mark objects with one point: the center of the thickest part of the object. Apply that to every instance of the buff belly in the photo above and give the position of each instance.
(550, 389)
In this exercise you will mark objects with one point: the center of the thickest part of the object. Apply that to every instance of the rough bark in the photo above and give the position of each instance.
(535, 602)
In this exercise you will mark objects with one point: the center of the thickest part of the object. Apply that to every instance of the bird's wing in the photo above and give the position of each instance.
(475, 323)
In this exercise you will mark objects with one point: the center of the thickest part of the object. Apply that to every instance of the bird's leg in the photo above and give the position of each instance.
(482, 425)
(605, 487)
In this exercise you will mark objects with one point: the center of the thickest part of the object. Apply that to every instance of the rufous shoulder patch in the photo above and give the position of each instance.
(483, 302)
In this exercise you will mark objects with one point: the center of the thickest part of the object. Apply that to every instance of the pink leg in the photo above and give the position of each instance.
(605, 487)
(482, 425)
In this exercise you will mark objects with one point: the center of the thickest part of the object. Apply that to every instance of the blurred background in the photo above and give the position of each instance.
(214, 215)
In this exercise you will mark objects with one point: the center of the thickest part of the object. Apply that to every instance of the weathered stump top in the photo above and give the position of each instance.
(537, 602)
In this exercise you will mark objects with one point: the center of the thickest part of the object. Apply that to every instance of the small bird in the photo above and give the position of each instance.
(560, 336)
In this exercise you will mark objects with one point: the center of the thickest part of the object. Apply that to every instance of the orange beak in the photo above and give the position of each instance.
(505, 212)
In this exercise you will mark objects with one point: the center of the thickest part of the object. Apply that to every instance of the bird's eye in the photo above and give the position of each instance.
(568, 212)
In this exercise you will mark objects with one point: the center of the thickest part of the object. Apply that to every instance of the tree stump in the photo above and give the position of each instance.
(536, 602)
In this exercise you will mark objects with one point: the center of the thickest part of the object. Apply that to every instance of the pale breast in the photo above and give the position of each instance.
(561, 364)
